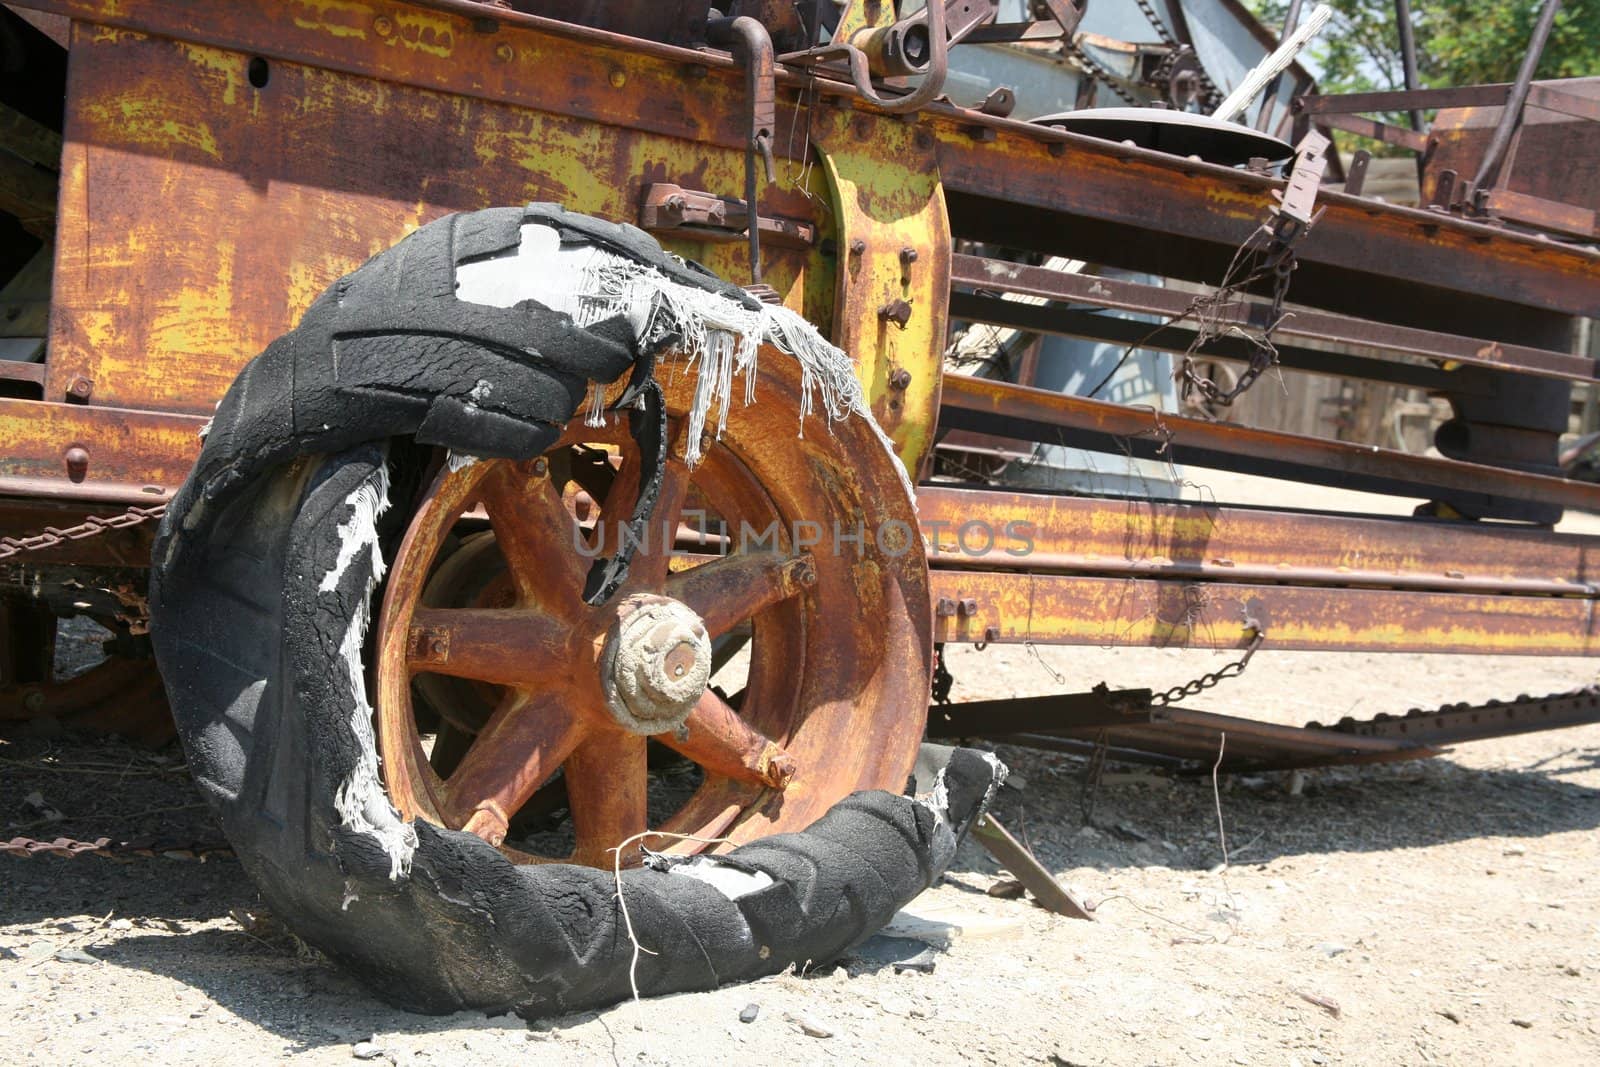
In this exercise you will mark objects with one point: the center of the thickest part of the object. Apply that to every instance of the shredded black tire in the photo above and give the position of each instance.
(260, 595)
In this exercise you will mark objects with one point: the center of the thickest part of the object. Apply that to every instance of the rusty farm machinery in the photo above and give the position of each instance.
(782, 380)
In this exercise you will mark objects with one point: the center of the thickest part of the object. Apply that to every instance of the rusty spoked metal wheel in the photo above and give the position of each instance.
(816, 556)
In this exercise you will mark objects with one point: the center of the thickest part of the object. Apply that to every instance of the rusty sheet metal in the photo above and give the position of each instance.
(1038, 531)
(132, 457)
(204, 213)
(989, 406)
(978, 272)
(1074, 610)
(893, 240)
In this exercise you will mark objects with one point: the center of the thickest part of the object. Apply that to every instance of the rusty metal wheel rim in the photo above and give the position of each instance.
(836, 698)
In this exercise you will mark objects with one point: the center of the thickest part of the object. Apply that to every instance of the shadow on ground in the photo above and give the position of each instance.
(179, 910)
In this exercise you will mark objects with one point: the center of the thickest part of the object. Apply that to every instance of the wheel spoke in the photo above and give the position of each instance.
(606, 780)
(720, 741)
(520, 748)
(537, 536)
(727, 591)
(649, 567)
(506, 646)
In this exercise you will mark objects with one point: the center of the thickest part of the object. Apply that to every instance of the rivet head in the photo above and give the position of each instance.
(541, 467)
(382, 26)
(77, 458)
(619, 77)
(504, 53)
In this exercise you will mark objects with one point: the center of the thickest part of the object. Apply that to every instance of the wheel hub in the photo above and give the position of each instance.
(655, 664)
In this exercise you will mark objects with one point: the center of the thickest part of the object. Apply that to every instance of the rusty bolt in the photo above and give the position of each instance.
(857, 246)
(80, 388)
(488, 824)
(618, 77)
(908, 255)
(780, 770)
(77, 463)
(897, 312)
(945, 608)
(382, 26)
(801, 574)
(991, 634)
(900, 378)
(438, 647)
(967, 608)
(504, 53)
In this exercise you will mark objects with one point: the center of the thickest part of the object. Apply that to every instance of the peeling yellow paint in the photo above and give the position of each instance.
(319, 14)
(230, 65)
(424, 32)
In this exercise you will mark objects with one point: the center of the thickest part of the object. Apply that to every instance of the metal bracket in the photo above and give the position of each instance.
(669, 208)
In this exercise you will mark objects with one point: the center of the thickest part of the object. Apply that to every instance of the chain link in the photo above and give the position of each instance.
(91, 526)
(1206, 681)
(1212, 96)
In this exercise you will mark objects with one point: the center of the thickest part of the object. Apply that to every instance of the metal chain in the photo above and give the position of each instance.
(68, 848)
(1206, 681)
(91, 526)
(1092, 70)
(1212, 95)
(1157, 23)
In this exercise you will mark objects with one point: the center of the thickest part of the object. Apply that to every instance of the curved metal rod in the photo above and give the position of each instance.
(861, 72)
(1511, 117)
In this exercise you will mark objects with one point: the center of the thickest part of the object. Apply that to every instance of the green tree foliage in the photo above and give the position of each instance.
(1459, 42)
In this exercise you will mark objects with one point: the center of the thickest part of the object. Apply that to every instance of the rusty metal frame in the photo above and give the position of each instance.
(642, 113)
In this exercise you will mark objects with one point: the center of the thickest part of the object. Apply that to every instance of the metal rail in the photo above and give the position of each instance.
(1020, 412)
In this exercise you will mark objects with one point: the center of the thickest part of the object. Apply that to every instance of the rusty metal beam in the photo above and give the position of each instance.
(133, 457)
(1466, 722)
(1096, 709)
(1019, 412)
(464, 48)
(1173, 539)
(1110, 611)
(993, 274)
(1547, 95)
(1070, 322)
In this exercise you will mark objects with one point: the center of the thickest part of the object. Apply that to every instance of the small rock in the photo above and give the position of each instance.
(923, 962)
(75, 955)
(809, 1026)
(1131, 832)
(748, 1013)
(1006, 889)
(1514, 850)
(122, 924)
(1526, 1024)
(1088, 831)
(1015, 781)
(366, 1050)
(1448, 1014)
(1332, 948)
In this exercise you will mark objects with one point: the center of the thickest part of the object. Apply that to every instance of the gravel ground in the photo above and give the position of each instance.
(1418, 912)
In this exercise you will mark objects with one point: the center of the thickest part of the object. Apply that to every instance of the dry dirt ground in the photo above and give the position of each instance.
(1410, 913)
